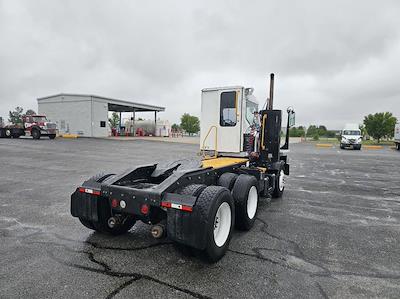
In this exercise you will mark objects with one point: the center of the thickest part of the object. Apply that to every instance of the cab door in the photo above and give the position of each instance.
(221, 120)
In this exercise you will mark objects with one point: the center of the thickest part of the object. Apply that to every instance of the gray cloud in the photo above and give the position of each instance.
(335, 61)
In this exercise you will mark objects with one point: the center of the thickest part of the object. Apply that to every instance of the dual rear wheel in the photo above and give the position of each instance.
(218, 209)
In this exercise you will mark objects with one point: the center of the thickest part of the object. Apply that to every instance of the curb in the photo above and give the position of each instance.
(373, 147)
(69, 136)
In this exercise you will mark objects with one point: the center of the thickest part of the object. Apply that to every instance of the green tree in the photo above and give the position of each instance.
(363, 130)
(297, 132)
(30, 112)
(380, 125)
(322, 131)
(114, 120)
(330, 134)
(15, 117)
(312, 130)
(190, 123)
(175, 127)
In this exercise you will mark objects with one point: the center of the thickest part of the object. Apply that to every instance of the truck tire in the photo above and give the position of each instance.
(217, 214)
(227, 180)
(52, 136)
(341, 146)
(104, 214)
(245, 194)
(8, 133)
(279, 183)
(193, 190)
(398, 146)
(35, 134)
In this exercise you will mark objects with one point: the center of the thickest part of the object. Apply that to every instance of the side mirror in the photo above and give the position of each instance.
(290, 123)
(291, 117)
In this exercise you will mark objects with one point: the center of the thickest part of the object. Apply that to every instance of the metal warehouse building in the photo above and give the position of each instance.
(87, 115)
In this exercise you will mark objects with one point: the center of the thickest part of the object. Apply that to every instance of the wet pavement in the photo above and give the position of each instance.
(334, 234)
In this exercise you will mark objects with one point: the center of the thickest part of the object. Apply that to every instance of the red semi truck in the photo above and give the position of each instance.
(32, 125)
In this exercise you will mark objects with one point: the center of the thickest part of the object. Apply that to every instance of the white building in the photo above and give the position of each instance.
(87, 115)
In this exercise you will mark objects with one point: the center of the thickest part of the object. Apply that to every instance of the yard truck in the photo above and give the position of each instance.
(32, 125)
(397, 136)
(242, 161)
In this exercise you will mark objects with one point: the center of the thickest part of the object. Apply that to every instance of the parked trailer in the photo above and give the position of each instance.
(199, 207)
(32, 125)
(397, 136)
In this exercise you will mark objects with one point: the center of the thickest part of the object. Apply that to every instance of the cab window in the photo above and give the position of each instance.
(250, 109)
(228, 116)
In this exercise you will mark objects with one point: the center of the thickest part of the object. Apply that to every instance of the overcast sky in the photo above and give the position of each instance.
(335, 61)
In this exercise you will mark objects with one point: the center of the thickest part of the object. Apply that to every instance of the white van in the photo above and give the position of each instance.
(351, 137)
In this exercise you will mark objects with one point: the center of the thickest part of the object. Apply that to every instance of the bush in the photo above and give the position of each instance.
(316, 137)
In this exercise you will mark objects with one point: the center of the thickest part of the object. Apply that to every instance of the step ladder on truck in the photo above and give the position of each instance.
(242, 161)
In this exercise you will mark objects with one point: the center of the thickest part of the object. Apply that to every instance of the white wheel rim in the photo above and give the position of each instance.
(281, 180)
(252, 201)
(8, 132)
(222, 224)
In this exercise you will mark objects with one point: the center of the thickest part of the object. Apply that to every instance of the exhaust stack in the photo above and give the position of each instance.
(270, 103)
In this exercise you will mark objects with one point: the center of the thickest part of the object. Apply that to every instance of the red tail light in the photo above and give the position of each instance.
(144, 209)
(114, 203)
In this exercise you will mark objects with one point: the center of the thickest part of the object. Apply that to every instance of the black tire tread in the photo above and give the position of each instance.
(227, 180)
(194, 189)
(33, 136)
(204, 206)
(240, 194)
(277, 193)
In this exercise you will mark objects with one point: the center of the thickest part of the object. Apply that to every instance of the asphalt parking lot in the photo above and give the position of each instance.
(334, 234)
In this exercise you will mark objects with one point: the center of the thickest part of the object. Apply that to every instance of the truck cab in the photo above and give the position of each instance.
(351, 137)
(38, 125)
(227, 115)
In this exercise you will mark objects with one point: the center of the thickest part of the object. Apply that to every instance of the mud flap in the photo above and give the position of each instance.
(184, 227)
(286, 169)
(84, 205)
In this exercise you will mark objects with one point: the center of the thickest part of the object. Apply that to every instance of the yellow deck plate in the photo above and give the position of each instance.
(222, 162)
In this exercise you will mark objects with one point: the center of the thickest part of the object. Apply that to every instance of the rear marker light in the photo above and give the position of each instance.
(166, 204)
(89, 191)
